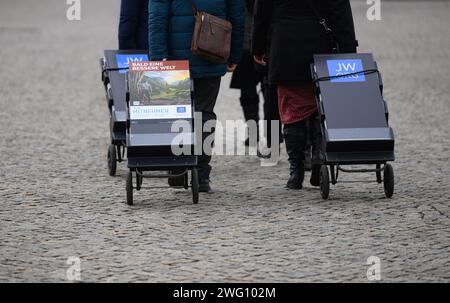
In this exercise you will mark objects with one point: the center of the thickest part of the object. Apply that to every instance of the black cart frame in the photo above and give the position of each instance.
(354, 121)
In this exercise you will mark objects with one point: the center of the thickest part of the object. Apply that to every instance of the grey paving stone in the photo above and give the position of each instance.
(57, 200)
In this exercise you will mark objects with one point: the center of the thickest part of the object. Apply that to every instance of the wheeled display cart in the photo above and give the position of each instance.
(114, 66)
(354, 119)
(160, 117)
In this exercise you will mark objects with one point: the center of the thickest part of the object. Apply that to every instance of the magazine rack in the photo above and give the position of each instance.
(354, 118)
(159, 95)
(114, 66)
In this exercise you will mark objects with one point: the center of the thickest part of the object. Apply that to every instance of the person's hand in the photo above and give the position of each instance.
(231, 67)
(259, 59)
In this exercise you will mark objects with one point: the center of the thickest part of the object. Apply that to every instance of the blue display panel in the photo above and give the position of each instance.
(345, 67)
(123, 60)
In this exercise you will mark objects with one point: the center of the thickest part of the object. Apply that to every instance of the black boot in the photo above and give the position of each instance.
(308, 156)
(271, 113)
(317, 154)
(176, 181)
(295, 139)
(204, 167)
(203, 179)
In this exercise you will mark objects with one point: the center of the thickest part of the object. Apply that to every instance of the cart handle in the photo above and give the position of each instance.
(365, 72)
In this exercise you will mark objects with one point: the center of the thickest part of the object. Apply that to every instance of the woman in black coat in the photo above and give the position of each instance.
(296, 35)
(133, 26)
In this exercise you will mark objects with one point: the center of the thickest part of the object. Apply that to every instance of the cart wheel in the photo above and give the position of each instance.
(112, 160)
(324, 182)
(379, 180)
(388, 181)
(130, 188)
(139, 180)
(195, 185)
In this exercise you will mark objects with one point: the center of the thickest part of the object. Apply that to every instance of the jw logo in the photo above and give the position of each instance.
(123, 61)
(350, 70)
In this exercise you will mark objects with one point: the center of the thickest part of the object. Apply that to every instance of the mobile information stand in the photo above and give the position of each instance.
(114, 66)
(354, 119)
(160, 117)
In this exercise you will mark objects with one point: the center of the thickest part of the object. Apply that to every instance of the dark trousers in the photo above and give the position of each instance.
(206, 91)
(250, 106)
(246, 78)
(250, 103)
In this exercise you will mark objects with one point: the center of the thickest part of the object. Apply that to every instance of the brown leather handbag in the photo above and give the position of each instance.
(211, 39)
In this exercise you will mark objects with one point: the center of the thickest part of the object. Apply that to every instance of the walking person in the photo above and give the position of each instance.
(297, 33)
(247, 76)
(133, 25)
(171, 27)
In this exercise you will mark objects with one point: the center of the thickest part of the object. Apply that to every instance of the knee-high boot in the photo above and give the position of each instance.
(317, 154)
(295, 140)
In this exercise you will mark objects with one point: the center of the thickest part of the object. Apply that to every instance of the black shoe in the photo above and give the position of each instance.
(204, 186)
(316, 142)
(176, 181)
(296, 180)
(265, 155)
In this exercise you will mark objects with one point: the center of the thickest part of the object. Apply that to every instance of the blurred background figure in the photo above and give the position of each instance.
(133, 26)
(247, 77)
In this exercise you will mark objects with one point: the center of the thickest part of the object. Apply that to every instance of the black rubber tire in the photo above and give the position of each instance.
(378, 173)
(388, 181)
(112, 160)
(324, 182)
(195, 186)
(129, 188)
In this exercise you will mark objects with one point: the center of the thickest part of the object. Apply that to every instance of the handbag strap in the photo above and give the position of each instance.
(323, 22)
(194, 8)
(196, 11)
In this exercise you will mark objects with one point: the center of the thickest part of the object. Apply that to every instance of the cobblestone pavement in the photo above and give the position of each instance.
(58, 201)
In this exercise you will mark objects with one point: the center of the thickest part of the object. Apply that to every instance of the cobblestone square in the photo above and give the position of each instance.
(57, 200)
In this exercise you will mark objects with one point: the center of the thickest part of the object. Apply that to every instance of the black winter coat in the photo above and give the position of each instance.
(133, 27)
(296, 35)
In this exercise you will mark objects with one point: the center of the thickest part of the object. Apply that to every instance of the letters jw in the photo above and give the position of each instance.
(344, 68)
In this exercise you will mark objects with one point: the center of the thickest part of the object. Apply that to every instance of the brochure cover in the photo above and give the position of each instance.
(160, 95)
(160, 83)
